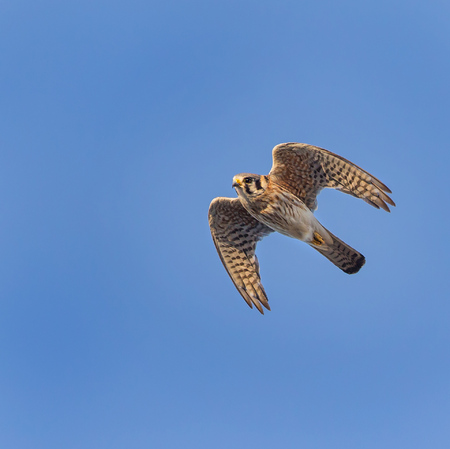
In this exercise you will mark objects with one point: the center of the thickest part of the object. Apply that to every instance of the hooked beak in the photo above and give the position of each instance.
(236, 182)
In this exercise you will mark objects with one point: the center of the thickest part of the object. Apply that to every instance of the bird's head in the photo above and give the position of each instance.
(248, 185)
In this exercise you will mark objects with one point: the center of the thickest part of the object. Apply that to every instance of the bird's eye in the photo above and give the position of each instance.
(247, 180)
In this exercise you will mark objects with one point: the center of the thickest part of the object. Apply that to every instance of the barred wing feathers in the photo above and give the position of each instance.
(235, 234)
(305, 170)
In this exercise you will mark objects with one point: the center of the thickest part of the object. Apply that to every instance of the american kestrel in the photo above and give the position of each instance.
(284, 201)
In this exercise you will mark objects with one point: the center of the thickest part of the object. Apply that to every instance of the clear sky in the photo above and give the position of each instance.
(119, 122)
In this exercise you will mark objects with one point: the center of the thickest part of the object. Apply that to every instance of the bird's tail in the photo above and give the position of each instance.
(342, 255)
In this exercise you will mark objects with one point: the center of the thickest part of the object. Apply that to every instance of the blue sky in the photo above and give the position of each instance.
(119, 327)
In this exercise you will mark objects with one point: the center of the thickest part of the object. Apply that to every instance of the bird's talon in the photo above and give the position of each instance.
(317, 239)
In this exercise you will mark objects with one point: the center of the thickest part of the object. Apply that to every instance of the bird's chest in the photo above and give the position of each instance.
(285, 213)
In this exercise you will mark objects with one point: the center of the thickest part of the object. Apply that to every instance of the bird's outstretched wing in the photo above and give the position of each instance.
(235, 233)
(305, 170)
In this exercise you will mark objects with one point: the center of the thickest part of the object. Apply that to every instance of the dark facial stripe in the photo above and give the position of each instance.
(247, 189)
(258, 184)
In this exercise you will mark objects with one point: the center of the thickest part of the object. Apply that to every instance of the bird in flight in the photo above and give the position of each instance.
(284, 201)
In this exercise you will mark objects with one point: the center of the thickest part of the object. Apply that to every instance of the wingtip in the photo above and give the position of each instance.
(266, 306)
(390, 202)
(384, 206)
(258, 306)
